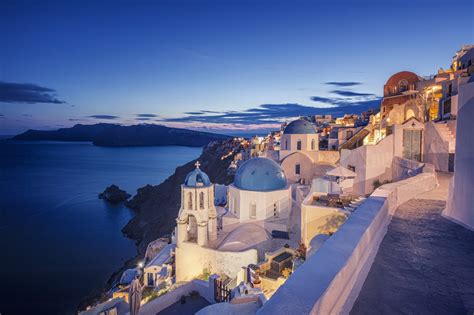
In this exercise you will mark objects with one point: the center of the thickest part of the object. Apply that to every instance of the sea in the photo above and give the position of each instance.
(58, 241)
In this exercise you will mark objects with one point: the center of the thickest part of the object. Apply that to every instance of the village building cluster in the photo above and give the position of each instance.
(297, 186)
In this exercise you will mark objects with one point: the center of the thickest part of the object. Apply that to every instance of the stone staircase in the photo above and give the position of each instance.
(447, 135)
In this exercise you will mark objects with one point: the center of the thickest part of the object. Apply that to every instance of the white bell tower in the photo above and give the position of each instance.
(197, 219)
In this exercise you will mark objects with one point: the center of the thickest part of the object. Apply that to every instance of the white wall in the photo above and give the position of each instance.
(292, 139)
(330, 280)
(242, 199)
(436, 150)
(460, 206)
(192, 260)
(371, 162)
(205, 289)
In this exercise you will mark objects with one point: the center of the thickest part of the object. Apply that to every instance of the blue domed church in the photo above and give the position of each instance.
(260, 194)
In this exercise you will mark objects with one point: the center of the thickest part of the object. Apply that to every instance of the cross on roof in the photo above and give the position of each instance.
(197, 164)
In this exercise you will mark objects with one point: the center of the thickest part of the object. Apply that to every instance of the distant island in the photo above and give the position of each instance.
(112, 135)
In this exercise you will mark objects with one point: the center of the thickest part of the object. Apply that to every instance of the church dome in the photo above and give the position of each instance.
(300, 127)
(197, 178)
(260, 174)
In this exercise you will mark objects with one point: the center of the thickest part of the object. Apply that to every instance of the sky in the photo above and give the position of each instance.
(224, 66)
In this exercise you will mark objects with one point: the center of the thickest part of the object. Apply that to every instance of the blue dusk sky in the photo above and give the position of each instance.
(213, 65)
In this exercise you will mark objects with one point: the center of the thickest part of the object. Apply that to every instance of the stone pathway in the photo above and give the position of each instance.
(425, 264)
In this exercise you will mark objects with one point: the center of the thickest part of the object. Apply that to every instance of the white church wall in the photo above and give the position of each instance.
(339, 268)
(192, 260)
(264, 202)
(289, 144)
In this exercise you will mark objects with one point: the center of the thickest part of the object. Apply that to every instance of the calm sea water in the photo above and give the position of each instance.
(58, 241)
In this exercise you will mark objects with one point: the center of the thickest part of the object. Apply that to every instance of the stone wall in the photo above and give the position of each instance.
(330, 280)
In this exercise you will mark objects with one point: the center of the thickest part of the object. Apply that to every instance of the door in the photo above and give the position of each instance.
(412, 144)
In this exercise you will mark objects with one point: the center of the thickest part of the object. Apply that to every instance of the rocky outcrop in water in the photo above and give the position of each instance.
(114, 194)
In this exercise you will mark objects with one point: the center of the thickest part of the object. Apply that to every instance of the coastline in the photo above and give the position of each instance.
(151, 222)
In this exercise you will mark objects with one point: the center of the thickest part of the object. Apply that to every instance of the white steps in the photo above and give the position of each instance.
(447, 136)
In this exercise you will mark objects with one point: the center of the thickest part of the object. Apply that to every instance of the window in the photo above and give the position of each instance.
(150, 279)
(253, 210)
(298, 145)
(201, 200)
(402, 86)
(313, 145)
(190, 201)
(286, 144)
(297, 169)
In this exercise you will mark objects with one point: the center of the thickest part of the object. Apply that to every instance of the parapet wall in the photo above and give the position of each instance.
(330, 280)
(205, 289)
(192, 260)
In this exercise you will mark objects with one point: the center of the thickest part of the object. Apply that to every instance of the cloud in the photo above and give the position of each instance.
(194, 113)
(27, 93)
(351, 93)
(147, 115)
(103, 117)
(344, 83)
(77, 119)
(274, 114)
(26, 115)
(143, 118)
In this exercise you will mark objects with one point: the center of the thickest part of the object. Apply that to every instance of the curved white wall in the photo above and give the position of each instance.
(460, 205)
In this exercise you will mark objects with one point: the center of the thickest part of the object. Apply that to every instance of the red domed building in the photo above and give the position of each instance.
(399, 103)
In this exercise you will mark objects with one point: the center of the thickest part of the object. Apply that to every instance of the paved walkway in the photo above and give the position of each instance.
(425, 264)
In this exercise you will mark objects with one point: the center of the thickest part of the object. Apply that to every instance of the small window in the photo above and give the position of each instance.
(190, 200)
(297, 169)
(253, 211)
(402, 86)
(313, 145)
(298, 145)
(201, 200)
(286, 144)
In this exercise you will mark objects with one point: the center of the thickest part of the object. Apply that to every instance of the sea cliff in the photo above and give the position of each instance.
(157, 206)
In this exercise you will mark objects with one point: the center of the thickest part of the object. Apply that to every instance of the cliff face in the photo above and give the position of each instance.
(119, 136)
(157, 206)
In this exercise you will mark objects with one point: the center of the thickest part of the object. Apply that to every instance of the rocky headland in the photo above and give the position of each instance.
(113, 135)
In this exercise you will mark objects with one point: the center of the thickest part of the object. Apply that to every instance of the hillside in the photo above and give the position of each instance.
(113, 135)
